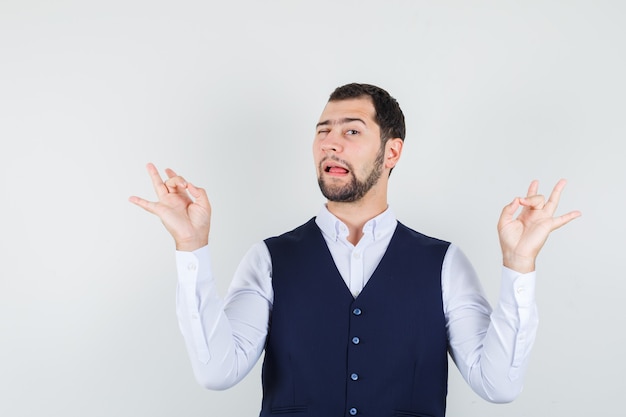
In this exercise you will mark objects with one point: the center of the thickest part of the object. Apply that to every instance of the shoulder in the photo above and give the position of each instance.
(296, 234)
(403, 231)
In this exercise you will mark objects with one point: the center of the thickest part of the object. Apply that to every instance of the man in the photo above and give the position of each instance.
(356, 312)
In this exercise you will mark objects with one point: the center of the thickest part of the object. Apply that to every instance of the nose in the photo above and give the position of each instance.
(327, 146)
(331, 142)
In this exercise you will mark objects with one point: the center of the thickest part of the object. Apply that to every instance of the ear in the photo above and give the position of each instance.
(393, 150)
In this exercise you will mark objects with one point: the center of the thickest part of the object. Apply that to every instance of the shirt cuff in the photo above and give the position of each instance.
(193, 266)
(517, 289)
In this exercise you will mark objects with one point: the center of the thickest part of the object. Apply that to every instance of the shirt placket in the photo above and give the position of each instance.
(357, 267)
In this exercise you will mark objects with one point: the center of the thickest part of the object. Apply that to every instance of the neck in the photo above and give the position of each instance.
(357, 213)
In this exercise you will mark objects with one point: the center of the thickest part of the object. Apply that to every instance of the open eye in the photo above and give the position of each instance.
(352, 132)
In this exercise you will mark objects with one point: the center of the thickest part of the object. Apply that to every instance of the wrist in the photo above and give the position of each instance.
(520, 264)
(190, 245)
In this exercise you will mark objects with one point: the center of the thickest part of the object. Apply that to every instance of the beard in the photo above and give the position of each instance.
(355, 189)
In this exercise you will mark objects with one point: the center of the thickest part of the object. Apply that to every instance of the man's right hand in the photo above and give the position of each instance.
(183, 208)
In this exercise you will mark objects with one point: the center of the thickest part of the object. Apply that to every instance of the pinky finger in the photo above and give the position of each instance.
(566, 218)
(144, 204)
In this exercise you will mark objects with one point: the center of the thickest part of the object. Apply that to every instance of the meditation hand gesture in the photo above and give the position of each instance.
(183, 208)
(522, 238)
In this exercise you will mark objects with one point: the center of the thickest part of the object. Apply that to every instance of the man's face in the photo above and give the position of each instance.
(347, 150)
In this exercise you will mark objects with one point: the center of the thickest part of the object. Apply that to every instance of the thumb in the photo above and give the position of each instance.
(200, 196)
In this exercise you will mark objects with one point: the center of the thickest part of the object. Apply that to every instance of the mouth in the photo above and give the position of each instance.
(332, 167)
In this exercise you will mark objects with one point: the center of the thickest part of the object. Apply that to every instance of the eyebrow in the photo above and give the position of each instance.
(340, 121)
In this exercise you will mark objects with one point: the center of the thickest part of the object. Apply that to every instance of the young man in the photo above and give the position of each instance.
(356, 312)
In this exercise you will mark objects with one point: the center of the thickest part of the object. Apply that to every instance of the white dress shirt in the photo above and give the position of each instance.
(226, 337)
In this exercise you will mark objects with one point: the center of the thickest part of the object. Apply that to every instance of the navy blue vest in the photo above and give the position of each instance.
(382, 354)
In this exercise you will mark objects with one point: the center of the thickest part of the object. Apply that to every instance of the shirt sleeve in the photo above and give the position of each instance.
(490, 348)
(224, 337)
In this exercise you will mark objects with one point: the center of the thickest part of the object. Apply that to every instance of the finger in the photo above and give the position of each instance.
(508, 212)
(175, 184)
(555, 196)
(170, 173)
(144, 204)
(533, 188)
(564, 219)
(534, 202)
(157, 181)
(174, 181)
(199, 195)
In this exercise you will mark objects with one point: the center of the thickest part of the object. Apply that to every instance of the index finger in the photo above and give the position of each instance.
(555, 195)
(157, 181)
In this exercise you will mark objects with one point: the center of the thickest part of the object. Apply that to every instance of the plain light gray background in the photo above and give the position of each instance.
(496, 93)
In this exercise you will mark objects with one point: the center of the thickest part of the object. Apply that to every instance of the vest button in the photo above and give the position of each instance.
(354, 377)
(353, 411)
(356, 340)
(357, 311)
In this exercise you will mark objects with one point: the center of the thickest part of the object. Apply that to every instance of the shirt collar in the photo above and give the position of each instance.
(376, 228)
